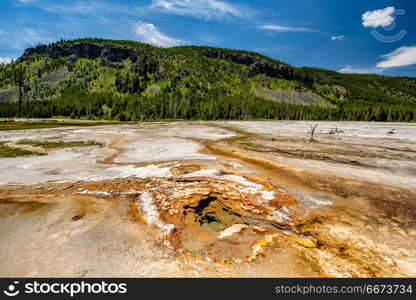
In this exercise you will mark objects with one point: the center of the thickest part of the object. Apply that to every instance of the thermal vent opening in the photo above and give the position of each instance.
(211, 214)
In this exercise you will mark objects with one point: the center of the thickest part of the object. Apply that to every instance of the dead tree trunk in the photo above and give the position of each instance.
(313, 128)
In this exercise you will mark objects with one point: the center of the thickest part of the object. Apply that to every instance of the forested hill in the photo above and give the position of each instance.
(125, 80)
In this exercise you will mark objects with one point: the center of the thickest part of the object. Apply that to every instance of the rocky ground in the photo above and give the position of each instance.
(212, 199)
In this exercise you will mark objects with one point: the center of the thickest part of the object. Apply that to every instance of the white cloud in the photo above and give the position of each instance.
(338, 37)
(24, 38)
(78, 7)
(6, 60)
(201, 9)
(360, 70)
(26, 1)
(403, 56)
(278, 28)
(378, 17)
(148, 33)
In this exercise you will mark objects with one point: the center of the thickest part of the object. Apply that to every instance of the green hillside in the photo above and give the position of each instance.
(125, 80)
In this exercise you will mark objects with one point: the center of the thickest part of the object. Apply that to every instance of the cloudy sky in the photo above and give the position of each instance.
(364, 36)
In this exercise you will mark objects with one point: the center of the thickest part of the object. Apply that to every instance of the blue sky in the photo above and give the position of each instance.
(373, 36)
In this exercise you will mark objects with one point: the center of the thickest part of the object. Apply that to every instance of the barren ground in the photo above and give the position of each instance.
(212, 199)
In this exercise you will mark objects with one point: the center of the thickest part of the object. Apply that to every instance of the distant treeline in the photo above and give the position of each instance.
(168, 106)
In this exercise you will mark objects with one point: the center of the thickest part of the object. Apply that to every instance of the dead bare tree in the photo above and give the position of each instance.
(313, 128)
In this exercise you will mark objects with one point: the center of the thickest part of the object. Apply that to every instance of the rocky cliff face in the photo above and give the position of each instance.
(258, 65)
(110, 55)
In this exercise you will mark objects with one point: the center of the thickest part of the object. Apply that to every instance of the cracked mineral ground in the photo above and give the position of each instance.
(210, 199)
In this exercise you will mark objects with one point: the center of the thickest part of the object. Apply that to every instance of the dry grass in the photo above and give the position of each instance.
(7, 151)
(58, 144)
(18, 125)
